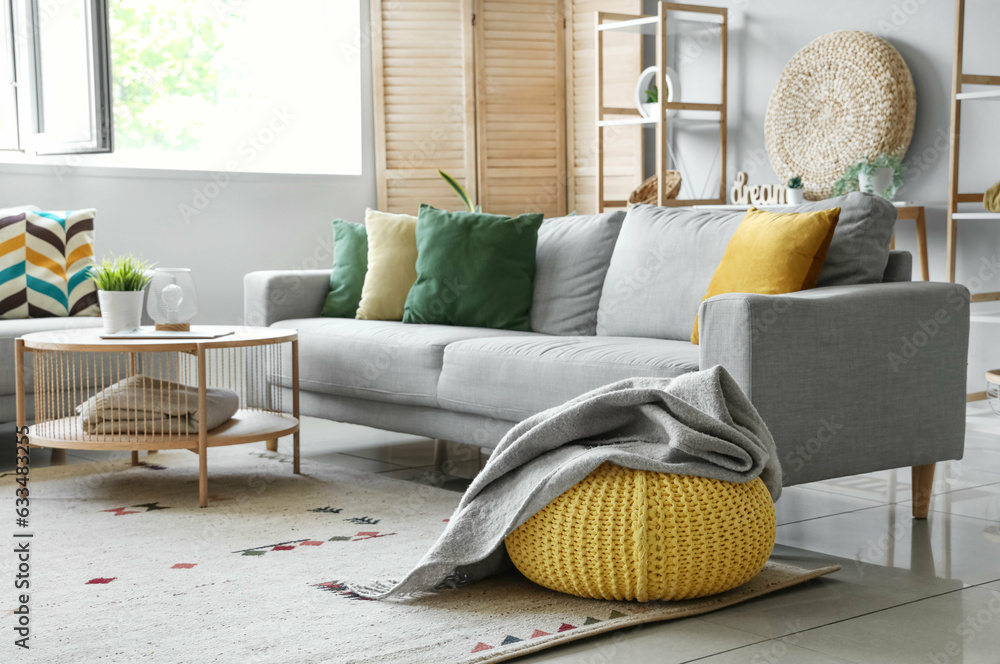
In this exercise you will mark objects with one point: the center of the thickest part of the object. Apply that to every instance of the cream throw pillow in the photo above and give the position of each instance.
(392, 265)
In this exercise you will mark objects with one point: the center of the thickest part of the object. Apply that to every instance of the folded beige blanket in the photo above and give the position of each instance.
(143, 405)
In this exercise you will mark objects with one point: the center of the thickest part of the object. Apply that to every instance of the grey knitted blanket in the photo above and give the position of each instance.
(698, 424)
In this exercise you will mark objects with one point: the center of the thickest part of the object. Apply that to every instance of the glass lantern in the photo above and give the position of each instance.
(172, 301)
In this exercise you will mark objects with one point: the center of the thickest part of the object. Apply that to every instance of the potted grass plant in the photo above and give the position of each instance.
(120, 282)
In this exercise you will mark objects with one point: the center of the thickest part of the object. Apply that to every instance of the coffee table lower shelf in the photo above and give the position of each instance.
(246, 426)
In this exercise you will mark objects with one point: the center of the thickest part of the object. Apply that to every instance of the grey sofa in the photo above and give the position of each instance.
(863, 373)
(11, 330)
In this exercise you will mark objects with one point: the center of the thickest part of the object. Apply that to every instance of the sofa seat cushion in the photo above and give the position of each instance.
(381, 360)
(511, 378)
(12, 329)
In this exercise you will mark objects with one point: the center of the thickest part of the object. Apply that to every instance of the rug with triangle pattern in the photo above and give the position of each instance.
(127, 568)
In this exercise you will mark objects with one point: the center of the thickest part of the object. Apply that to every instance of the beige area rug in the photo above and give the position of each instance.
(127, 568)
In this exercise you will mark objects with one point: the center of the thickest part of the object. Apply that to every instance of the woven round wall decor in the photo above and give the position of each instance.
(845, 97)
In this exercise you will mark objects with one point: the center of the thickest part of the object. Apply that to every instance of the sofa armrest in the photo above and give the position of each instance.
(849, 379)
(279, 295)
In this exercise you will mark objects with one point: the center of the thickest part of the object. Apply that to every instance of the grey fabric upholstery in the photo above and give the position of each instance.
(283, 294)
(660, 270)
(850, 379)
(860, 248)
(513, 377)
(381, 360)
(402, 418)
(570, 264)
(14, 328)
(8, 405)
(665, 258)
(899, 267)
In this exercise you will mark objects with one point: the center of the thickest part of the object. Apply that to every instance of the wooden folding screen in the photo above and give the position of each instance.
(500, 94)
(422, 62)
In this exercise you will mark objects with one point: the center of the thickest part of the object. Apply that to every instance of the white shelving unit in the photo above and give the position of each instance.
(670, 20)
(956, 197)
(646, 25)
(993, 95)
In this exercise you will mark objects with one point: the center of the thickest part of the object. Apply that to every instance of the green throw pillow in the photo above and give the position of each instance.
(350, 263)
(475, 270)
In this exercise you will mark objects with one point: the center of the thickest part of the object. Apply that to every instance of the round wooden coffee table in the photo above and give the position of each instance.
(72, 366)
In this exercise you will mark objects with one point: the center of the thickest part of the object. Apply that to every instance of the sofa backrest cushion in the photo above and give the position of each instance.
(899, 267)
(571, 262)
(664, 260)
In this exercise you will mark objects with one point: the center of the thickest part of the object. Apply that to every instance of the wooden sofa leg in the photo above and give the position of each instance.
(923, 483)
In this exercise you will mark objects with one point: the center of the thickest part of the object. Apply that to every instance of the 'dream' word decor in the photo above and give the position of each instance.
(758, 194)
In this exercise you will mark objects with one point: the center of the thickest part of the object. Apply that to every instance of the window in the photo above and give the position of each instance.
(60, 50)
(8, 97)
(214, 85)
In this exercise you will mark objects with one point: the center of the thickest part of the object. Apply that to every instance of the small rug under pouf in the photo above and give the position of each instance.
(127, 568)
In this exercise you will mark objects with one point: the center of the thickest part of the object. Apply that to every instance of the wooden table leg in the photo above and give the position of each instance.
(295, 406)
(922, 244)
(58, 457)
(202, 428)
(272, 445)
(135, 458)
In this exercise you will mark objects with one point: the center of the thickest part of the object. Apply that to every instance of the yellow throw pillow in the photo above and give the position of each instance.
(392, 265)
(773, 253)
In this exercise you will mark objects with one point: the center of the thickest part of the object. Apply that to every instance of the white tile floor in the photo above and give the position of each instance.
(909, 592)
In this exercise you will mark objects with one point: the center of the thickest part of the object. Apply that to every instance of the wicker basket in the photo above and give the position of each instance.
(639, 535)
(645, 193)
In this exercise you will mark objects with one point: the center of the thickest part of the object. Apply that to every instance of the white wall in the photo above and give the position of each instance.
(765, 34)
(255, 222)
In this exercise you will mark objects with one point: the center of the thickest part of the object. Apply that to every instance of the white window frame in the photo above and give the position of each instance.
(9, 73)
(28, 16)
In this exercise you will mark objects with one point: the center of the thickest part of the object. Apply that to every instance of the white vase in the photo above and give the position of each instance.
(120, 310)
(876, 184)
(794, 196)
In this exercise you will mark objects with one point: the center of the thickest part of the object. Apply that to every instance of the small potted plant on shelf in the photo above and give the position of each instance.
(652, 99)
(795, 195)
(882, 176)
(120, 282)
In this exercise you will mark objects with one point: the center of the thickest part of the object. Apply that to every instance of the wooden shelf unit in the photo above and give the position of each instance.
(669, 16)
(955, 197)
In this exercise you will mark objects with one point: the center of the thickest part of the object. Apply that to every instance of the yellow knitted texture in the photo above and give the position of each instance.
(639, 535)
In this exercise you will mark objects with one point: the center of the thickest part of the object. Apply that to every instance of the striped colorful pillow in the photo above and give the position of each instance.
(45, 258)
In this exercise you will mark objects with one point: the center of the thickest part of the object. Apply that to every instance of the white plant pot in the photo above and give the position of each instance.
(876, 184)
(794, 196)
(120, 310)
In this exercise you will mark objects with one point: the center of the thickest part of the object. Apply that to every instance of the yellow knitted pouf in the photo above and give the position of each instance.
(638, 535)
